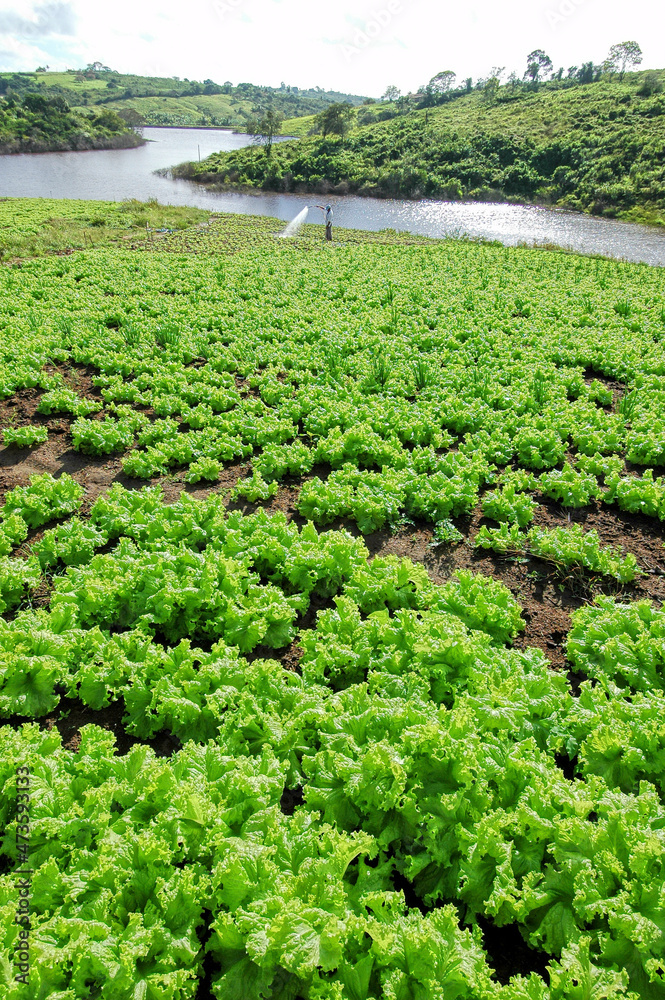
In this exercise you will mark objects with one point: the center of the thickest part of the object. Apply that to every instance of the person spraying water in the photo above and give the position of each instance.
(295, 225)
(328, 213)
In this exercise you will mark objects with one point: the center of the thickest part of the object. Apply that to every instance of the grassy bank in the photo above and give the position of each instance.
(33, 227)
(596, 148)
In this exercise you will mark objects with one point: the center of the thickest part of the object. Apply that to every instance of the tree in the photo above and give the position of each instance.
(132, 117)
(443, 82)
(36, 103)
(651, 84)
(586, 73)
(537, 62)
(392, 93)
(622, 56)
(265, 127)
(336, 119)
(492, 83)
(98, 67)
(490, 89)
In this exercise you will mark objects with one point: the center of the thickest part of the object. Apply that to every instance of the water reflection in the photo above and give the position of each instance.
(118, 174)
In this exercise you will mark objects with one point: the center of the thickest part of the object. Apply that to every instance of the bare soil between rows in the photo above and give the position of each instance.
(547, 600)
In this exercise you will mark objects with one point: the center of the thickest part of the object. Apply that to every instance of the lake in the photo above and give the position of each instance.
(115, 175)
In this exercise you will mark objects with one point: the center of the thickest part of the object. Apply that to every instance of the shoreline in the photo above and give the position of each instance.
(489, 197)
(207, 128)
(96, 147)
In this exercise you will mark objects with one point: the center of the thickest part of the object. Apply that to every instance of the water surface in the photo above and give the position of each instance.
(118, 174)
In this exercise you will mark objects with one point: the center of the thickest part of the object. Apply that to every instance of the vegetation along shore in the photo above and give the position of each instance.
(594, 147)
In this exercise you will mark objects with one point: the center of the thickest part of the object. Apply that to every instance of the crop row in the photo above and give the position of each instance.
(344, 828)
(424, 745)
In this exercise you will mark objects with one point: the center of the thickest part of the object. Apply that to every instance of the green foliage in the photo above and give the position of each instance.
(539, 447)
(445, 533)
(13, 531)
(24, 437)
(204, 468)
(600, 465)
(148, 100)
(279, 460)
(565, 547)
(510, 505)
(72, 543)
(337, 119)
(43, 500)
(255, 488)
(506, 539)
(16, 577)
(619, 643)
(573, 546)
(31, 227)
(637, 494)
(569, 487)
(102, 437)
(483, 604)
(63, 400)
(523, 144)
(411, 743)
(39, 123)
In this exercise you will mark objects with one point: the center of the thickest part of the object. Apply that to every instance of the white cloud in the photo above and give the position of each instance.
(39, 22)
(303, 43)
(17, 55)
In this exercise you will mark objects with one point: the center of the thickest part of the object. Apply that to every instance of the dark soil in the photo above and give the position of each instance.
(509, 954)
(71, 715)
(547, 599)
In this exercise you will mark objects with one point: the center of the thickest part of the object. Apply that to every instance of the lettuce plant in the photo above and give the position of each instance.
(24, 437)
(17, 577)
(44, 499)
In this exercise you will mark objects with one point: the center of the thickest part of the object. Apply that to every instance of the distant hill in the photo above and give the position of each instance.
(171, 101)
(596, 147)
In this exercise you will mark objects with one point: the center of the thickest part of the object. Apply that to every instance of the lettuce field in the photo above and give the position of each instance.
(332, 650)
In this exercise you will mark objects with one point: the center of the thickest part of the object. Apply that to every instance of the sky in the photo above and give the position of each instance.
(357, 48)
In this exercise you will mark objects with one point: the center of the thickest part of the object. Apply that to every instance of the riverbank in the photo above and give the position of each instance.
(39, 227)
(129, 174)
(592, 149)
(638, 215)
(79, 144)
(38, 124)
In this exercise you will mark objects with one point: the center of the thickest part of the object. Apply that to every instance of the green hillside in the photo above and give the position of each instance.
(171, 101)
(597, 148)
(37, 124)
